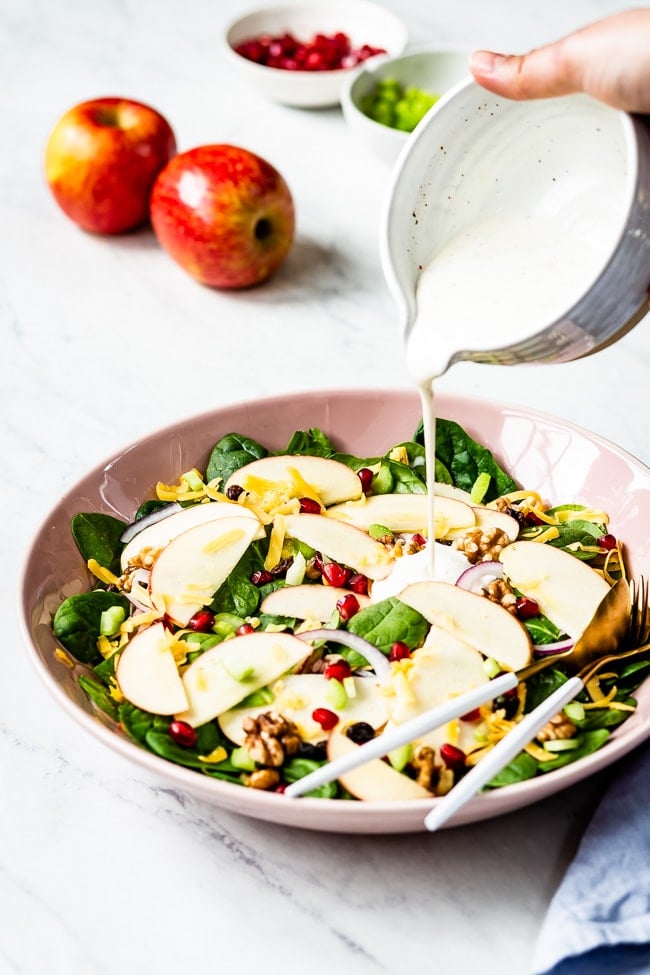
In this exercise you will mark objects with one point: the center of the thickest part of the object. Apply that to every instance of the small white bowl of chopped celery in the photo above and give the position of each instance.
(387, 97)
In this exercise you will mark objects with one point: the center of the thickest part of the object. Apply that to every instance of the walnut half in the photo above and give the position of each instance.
(270, 738)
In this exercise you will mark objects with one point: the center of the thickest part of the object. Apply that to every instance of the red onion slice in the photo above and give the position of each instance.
(375, 657)
(154, 516)
(546, 649)
(477, 577)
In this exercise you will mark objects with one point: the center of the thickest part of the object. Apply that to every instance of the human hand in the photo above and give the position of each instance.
(608, 59)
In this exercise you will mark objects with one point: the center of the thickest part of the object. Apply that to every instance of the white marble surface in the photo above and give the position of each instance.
(104, 870)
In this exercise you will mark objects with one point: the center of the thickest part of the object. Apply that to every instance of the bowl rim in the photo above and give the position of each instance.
(408, 816)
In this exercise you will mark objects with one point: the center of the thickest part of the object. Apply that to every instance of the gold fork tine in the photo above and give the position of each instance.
(639, 625)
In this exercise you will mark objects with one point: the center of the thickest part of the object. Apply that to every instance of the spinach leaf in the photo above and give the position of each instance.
(237, 594)
(312, 441)
(405, 480)
(578, 532)
(603, 717)
(465, 459)
(522, 767)
(147, 507)
(77, 620)
(388, 622)
(208, 737)
(540, 686)
(135, 722)
(99, 695)
(105, 669)
(298, 768)
(97, 536)
(232, 452)
(542, 630)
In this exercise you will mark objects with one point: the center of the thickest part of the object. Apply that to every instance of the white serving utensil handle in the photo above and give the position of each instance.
(502, 753)
(404, 733)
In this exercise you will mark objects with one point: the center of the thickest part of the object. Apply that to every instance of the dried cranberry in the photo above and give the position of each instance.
(183, 734)
(359, 584)
(308, 506)
(419, 539)
(471, 715)
(348, 606)
(234, 492)
(526, 608)
(399, 651)
(508, 703)
(202, 621)
(337, 670)
(335, 574)
(325, 718)
(453, 757)
(360, 732)
(316, 752)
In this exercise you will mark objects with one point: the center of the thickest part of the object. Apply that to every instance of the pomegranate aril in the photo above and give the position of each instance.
(348, 606)
(244, 629)
(453, 757)
(337, 670)
(335, 574)
(471, 715)
(365, 475)
(202, 621)
(182, 733)
(607, 542)
(261, 578)
(419, 539)
(325, 718)
(526, 608)
(399, 651)
(359, 584)
(308, 506)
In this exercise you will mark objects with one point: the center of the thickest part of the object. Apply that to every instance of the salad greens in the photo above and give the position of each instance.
(98, 626)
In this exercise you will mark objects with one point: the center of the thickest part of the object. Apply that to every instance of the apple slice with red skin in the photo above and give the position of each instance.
(566, 590)
(160, 534)
(474, 619)
(147, 674)
(343, 543)
(375, 781)
(190, 569)
(224, 675)
(331, 480)
(405, 513)
(296, 696)
(308, 602)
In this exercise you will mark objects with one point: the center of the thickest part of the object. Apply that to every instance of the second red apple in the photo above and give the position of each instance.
(224, 214)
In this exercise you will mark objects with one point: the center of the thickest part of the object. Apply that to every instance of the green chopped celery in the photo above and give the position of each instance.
(574, 711)
(400, 757)
(111, 620)
(491, 667)
(480, 487)
(241, 759)
(335, 694)
(561, 744)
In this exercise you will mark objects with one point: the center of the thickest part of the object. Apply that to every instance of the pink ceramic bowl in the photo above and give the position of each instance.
(561, 461)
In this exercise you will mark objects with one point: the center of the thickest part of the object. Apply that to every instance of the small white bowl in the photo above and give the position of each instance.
(432, 69)
(364, 22)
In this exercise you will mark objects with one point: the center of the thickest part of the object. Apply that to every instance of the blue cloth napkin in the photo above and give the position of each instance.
(599, 919)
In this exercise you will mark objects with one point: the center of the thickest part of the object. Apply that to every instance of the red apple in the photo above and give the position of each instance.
(224, 214)
(101, 160)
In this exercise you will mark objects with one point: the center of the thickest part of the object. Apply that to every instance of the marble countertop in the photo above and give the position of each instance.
(104, 869)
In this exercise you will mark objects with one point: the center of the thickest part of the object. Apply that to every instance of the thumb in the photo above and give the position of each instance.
(542, 73)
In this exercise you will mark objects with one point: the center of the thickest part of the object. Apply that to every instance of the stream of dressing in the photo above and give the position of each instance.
(486, 289)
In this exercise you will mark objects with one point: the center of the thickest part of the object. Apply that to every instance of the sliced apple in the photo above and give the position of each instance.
(342, 543)
(566, 590)
(297, 695)
(160, 534)
(224, 675)
(474, 619)
(443, 490)
(147, 673)
(190, 569)
(307, 602)
(329, 479)
(405, 513)
(375, 781)
(442, 668)
(486, 518)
